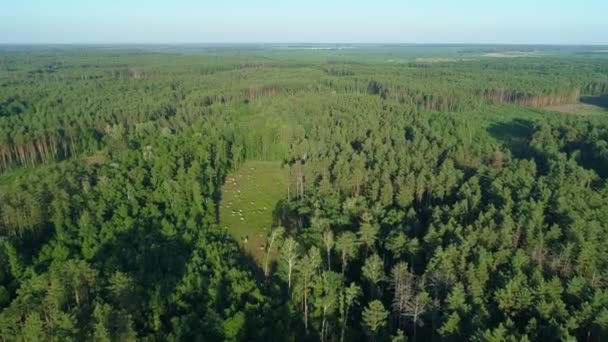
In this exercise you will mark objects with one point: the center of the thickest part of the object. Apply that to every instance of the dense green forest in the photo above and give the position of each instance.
(433, 193)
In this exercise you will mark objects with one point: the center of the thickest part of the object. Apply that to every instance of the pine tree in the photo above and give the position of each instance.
(346, 244)
(348, 298)
(374, 317)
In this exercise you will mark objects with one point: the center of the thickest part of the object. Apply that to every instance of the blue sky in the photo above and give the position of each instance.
(371, 21)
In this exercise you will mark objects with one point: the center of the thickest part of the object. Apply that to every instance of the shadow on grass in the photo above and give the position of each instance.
(285, 214)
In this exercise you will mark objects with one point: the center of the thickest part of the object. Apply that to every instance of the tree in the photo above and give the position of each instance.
(122, 290)
(368, 232)
(328, 243)
(327, 296)
(415, 307)
(402, 283)
(289, 254)
(100, 315)
(111, 325)
(275, 235)
(456, 302)
(374, 317)
(399, 336)
(396, 243)
(373, 271)
(515, 296)
(307, 271)
(409, 298)
(346, 244)
(348, 298)
(33, 328)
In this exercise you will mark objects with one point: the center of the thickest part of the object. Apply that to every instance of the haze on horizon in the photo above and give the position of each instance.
(313, 21)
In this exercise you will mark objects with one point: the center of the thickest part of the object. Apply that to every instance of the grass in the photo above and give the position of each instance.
(249, 197)
(577, 108)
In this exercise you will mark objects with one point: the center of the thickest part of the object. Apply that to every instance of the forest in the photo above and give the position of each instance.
(295, 193)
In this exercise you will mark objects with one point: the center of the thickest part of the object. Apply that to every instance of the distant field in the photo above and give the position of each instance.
(442, 60)
(511, 54)
(587, 105)
(577, 108)
(248, 199)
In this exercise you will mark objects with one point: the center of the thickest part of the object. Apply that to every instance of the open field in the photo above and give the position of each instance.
(512, 54)
(248, 199)
(577, 108)
(586, 105)
(442, 60)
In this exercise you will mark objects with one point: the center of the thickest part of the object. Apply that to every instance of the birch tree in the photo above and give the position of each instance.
(289, 254)
(275, 235)
(328, 243)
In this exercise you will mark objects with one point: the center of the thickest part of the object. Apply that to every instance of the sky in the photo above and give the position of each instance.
(308, 21)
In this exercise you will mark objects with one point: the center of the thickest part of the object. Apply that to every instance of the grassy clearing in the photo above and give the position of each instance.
(577, 108)
(248, 198)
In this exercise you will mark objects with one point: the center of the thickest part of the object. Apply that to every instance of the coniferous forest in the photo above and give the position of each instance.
(431, 193)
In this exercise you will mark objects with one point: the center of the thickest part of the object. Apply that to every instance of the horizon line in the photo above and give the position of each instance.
(293, 42)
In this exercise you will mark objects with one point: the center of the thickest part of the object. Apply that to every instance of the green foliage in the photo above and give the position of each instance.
(415, 192)
(374, 316)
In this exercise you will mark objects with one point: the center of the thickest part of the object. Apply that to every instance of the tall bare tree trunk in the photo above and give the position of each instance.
(305, 306)
(344, 324)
